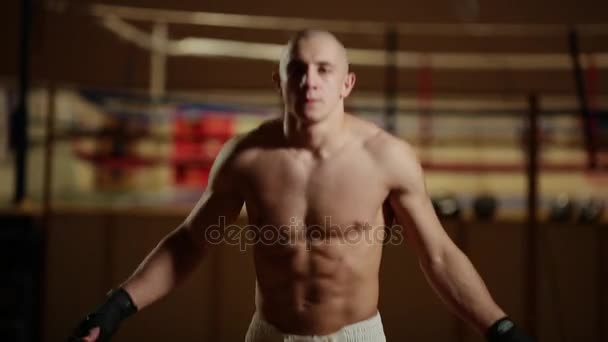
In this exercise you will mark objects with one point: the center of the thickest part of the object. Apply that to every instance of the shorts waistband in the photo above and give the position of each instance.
(369, 330)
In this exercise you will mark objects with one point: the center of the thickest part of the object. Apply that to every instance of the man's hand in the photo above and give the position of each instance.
(102, 324)
(93, 335)
(505, 330)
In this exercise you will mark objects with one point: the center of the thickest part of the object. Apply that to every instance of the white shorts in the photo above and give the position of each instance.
(370, 330)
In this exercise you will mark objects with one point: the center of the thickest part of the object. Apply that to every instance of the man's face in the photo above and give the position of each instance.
(314, 78)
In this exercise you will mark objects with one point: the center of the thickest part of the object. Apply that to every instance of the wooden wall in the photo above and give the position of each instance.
(90, 252)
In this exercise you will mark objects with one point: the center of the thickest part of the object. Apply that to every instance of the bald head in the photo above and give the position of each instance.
(313, 76)
(328, 39)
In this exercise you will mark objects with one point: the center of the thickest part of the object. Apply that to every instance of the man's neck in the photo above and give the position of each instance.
(322, 138)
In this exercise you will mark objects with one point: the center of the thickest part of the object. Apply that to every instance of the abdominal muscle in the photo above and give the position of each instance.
(316, 288)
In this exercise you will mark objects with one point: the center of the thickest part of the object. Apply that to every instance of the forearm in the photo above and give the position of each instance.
(459, 285)
(167, 265)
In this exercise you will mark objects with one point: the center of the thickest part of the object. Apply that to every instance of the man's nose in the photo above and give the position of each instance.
(309, 79)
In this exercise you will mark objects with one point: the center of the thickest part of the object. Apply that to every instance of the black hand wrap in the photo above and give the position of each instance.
(117, 307)
(504, 330)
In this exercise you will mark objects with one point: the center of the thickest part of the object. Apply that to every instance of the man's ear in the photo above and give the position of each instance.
(349, 84)
(277, 80)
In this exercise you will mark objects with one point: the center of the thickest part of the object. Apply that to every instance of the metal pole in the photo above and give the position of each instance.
(158, 63)
(47, 199)
(581, 93)
(49, 144)
(531, 238)
(391, 79)
(19, 118)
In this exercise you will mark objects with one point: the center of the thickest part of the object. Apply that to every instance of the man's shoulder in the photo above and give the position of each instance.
(383, 146)
(246, 145)
(396, 159)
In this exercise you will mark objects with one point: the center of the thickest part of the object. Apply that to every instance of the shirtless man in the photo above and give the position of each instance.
(316, 164)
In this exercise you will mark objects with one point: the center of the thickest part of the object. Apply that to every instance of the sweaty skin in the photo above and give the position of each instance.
(321, 178)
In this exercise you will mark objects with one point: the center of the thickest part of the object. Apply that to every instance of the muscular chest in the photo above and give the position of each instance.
(346, 189)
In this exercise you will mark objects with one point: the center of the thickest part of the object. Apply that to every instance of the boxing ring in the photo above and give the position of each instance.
(535, 128)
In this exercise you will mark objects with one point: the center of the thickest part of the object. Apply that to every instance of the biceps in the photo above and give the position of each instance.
(214, 211)
(423, 230)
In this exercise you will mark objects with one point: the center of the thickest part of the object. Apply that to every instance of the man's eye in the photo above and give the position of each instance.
(295, 69)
